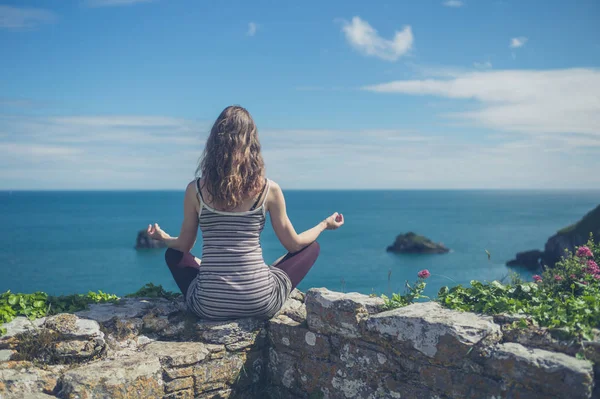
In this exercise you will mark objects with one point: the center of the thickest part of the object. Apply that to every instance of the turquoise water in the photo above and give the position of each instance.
(65, 242)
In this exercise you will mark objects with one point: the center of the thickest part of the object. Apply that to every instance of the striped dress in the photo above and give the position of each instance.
(233, 280)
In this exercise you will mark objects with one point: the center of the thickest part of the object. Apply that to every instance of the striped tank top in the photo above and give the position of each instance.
(233, 280)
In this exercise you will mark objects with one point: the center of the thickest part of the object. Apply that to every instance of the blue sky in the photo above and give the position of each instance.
(120, 94)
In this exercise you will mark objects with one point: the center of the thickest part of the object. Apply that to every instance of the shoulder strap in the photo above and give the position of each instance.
(268, 185)
(260, 196)
(199, 191)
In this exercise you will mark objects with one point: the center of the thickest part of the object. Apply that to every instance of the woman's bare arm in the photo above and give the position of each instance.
(292, 241)
(189, 228)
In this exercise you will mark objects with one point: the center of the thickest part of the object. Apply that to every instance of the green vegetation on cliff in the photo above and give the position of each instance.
(589, 222)
(40, 304)
(566, 296)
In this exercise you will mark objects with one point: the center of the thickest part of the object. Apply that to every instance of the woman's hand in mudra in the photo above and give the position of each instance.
(334, 221)
(155, 232)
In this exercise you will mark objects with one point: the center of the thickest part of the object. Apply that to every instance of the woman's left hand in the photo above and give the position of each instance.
(155, 232)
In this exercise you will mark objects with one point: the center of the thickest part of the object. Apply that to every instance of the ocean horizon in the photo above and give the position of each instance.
(66, 241)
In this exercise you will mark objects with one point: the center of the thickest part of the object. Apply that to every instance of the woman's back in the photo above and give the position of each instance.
(233, 280)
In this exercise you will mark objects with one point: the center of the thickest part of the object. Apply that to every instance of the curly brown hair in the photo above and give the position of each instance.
(232, 165)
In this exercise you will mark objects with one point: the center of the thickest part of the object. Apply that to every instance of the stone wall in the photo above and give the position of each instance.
(324, 345)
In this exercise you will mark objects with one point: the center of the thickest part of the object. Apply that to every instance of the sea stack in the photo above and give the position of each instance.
(411, 243)
(144, 241)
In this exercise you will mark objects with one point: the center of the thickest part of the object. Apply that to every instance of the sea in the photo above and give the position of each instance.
(63, 242)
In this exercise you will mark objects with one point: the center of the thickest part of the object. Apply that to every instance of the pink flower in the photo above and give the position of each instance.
(424, 274)
(592, 267)
(597, 276)
(584, 252)
(537, 278)
(558, 277)
(583, 282)
(573, 276)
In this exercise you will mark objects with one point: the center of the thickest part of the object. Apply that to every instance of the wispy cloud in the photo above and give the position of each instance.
(518, 42)
(114, 3)
(453, 3)
(252, 28)
(483, 65)
(131, 152)
(562, 101)
(364, 38)
(24, 17)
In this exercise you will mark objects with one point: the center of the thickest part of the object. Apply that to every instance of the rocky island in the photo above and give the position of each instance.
(411, 243)
(568, 238)
(144, 241)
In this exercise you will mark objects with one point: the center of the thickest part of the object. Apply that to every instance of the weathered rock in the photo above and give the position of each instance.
(177, 354)
(345, 347)
(541, 338)
(5, 355)
(144, 241)
(236, 335)
(543, 373)
(330, 312)
(294, 309)
(129, 308)
(137, 375)
(287, 334)
(23, 378)
(60, 339)
(411, 243)
(19, 325)
(529, 259)
(438, 333)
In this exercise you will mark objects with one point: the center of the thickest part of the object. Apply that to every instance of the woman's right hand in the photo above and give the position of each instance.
(155, 232)
(334, 221)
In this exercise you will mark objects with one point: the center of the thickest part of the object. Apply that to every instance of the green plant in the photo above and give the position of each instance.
(566, 296)
(153, 291)
(412, 292)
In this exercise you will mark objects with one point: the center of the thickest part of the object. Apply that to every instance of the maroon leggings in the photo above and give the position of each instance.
(184, 266)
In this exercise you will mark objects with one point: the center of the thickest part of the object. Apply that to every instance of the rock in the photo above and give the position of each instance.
(543, 373)
(5, 355)
(330, 312)
(19, 325)
(287, 334)
(564, 240)
(137, 375)
(23, 378)
(144, 241)
(528, 259)
(411, 243)
(129, 308)
(61, 339)
(571, 237)
(438, 333)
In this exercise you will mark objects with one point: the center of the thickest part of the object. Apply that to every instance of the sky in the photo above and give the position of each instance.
(346, 94)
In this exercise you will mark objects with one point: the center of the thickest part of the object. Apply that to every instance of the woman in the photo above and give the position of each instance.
(229, 203)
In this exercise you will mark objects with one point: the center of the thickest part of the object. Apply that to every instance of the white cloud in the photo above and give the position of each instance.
(364, 38)
(517, 42)
(24, 17)
(113, 3)
(149, 152)
(483, 65)
(453, 3)
(562, 101)
(252, 28)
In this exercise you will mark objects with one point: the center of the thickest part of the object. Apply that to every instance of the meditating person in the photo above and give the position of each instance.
(229, 201)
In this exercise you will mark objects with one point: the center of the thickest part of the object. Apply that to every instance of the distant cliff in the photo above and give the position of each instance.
(567, 238)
